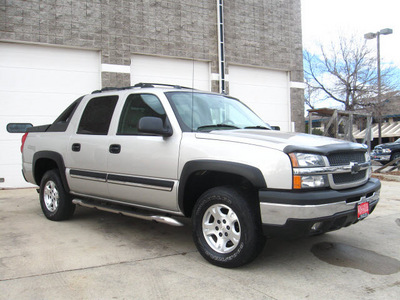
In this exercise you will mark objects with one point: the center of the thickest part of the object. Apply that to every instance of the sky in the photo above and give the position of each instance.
(324, 21)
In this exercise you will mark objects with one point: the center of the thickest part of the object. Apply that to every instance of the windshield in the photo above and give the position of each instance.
(206, 112)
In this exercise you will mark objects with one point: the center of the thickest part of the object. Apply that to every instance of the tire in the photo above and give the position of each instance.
(227, 227)
(56, 203)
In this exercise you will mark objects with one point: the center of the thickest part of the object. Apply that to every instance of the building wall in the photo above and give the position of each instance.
(268, 34)
(262, 33)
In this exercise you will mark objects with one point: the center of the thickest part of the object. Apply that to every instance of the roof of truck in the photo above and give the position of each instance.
(143, 85)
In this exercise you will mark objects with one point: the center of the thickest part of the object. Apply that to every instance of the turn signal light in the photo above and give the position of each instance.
(297, 182)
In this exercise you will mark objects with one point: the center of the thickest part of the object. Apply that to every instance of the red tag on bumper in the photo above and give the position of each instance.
(362, 210)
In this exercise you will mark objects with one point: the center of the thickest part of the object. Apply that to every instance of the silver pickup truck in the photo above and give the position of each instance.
(162, 152)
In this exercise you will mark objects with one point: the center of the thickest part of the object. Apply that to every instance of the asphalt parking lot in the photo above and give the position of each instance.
(98, 255)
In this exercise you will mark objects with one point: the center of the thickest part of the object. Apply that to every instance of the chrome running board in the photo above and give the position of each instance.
(128, 213)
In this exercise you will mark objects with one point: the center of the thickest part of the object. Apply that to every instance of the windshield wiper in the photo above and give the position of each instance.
(257, 127)
(217, 125)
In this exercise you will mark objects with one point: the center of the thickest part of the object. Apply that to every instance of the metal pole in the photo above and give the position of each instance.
(378, 108)
(351, 120)
(369, 133)
(221, 48)
(379, 88)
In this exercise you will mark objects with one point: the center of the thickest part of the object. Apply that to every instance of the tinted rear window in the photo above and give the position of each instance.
(97, 115)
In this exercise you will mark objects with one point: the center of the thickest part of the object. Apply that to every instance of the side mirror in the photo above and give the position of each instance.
(277, 128)
(154, 125)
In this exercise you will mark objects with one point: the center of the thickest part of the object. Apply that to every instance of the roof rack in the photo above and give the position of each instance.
(106, 89)
(141, 85)
(150, 85)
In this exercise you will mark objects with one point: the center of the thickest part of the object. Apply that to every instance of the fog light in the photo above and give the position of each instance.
(316, 226)
(315, 181)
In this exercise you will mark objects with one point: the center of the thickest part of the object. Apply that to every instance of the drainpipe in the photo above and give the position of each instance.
(221, 53)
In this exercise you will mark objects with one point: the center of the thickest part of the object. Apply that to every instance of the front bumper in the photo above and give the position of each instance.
(380, 157)
(298, 214)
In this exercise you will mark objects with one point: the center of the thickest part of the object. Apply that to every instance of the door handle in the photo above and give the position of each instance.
(115, 148)
(76, 147)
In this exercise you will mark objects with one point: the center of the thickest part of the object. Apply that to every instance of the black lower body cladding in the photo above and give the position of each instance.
(297, 214)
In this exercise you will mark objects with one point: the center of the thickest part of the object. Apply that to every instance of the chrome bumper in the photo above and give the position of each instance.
(275, 213)
(278, 214)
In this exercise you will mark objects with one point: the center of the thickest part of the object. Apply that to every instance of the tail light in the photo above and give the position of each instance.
(23, 140)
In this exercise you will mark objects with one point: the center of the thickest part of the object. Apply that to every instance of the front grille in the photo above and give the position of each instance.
(343, 180)
(348, 177)
(344, 158)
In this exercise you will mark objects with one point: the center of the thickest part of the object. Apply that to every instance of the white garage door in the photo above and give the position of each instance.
(266, 92)
(36, 84)
(189, 73)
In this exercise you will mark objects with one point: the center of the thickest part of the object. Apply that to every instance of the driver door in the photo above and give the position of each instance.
(143, 169)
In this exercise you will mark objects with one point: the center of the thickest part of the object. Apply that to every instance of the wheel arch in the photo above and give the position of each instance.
(394, 153)
(200, 175)
(44, 161)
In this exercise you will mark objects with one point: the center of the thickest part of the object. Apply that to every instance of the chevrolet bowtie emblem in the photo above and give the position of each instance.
(355, 167)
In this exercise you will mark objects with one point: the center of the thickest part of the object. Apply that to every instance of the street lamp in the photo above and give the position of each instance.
(370, 36)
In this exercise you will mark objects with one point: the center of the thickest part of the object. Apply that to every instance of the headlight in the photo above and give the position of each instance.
(308, 160)
(386, 151)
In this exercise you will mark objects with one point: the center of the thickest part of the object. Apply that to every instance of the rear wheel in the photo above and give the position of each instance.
(56, 203)
(227, 227)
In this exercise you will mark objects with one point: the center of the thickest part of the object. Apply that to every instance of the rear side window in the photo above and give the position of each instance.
(97, 115)
(68, 112)
(61, 124)
(136, 107)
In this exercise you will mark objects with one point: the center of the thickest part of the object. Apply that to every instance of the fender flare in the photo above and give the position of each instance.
(58, 159)
(253, 174)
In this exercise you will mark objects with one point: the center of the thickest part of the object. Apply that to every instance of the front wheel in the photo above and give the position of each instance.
(227, 227)
(56, 203)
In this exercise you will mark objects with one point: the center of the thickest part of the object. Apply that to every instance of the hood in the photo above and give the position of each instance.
(388, 145)
(283, 141)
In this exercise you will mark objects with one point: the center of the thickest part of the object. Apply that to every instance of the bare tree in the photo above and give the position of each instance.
(345, 72)
(311, 96)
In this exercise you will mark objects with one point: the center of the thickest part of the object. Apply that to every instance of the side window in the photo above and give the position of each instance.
(97, 115)
(136, 107)
(62, 122)
(67, 114)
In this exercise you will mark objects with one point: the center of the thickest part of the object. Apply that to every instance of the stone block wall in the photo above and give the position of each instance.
(261, 33)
